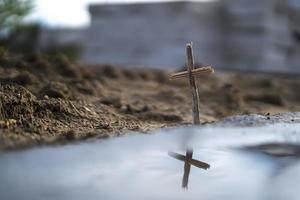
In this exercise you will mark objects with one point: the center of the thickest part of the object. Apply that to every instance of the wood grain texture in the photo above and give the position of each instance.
(193, 85)
(195, 72)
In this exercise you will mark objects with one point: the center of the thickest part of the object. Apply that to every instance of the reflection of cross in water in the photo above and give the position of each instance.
(188, 161)
(191, 74)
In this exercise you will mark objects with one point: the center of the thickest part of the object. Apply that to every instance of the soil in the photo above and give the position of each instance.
(47, 100)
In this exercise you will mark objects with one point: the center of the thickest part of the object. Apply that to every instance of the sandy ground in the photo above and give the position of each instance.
(46, 100)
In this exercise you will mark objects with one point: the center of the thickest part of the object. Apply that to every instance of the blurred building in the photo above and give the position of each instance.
(243, 34)
(260, 34)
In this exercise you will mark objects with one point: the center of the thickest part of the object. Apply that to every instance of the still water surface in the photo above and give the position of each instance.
(244, 163)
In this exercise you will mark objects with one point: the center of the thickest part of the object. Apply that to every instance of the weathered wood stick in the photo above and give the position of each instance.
(199, 164)
(187, 169)
(176, 155)
(196, 163)
(193, 85)
(195, 72)
(197, 75)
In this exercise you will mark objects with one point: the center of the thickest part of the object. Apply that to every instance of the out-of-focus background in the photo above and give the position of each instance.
(77, 69)
(232, 34)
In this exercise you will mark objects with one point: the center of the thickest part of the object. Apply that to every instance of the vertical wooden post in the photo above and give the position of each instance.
(193, 85)
(187, 168)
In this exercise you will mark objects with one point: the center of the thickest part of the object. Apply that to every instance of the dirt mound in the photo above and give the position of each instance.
(16, 102)
(46, 99)
(56, 90)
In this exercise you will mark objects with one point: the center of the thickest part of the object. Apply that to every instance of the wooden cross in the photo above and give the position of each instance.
(188, 161)
(191, 73)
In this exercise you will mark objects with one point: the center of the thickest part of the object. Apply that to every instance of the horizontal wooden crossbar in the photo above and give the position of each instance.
(194, 162)
(195, 72)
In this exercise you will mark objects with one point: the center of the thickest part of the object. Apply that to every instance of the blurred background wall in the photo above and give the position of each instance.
(236, 34)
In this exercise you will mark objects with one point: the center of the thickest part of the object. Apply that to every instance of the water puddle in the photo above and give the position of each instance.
(184, 163)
